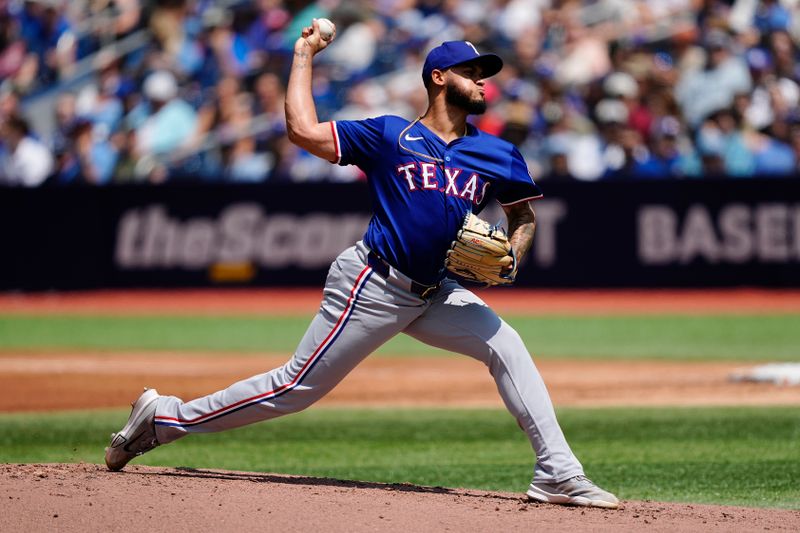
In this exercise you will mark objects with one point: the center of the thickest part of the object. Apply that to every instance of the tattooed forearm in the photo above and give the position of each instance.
(301, 59)
(521, 227)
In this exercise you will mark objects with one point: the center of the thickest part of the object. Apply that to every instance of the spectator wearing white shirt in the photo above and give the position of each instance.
(23, 160)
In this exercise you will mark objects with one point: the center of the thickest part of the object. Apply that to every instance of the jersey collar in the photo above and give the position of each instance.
(471, 133)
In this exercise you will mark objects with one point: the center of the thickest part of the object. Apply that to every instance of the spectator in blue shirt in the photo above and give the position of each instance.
(88, 159)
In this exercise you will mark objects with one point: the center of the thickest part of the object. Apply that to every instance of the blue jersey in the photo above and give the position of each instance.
(422, 188)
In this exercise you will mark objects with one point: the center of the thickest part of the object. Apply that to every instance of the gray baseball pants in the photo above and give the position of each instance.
(360, 311)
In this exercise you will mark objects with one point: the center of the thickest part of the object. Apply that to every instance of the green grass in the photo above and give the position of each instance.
(724, 337)
(736, 456)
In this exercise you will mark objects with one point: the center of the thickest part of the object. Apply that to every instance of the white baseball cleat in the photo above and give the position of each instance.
(578, 490)
(139, 434)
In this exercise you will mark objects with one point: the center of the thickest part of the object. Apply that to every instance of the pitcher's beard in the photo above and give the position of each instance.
(454, 96)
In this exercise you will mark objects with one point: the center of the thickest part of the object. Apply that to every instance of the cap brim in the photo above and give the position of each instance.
(490, 64)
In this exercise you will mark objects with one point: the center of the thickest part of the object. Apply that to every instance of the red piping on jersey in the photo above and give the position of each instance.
(336, 146)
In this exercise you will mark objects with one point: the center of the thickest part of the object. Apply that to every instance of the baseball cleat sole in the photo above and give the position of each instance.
(578, 490)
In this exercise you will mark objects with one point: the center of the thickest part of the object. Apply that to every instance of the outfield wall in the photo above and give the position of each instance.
(709, 233)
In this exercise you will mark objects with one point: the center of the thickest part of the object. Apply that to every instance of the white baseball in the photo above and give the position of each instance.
(326, 29)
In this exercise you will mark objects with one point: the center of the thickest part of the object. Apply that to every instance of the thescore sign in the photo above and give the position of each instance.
(149, 238)
(735, 234)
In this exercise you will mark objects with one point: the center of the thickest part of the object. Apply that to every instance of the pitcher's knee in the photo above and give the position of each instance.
(508, 343)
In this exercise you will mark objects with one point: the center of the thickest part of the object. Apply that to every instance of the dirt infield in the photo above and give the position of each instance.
(88, 498)
(71, 380)
(78, 498)
(79, 381)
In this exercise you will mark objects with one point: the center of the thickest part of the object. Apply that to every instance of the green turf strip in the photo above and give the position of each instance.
(737, 456)
(757, 337)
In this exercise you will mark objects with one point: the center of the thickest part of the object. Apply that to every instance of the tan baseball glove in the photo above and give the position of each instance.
(482, 253)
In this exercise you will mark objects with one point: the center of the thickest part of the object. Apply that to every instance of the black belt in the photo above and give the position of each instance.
(380, 266)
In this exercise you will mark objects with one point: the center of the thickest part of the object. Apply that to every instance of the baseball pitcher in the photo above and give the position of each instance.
(428, 179)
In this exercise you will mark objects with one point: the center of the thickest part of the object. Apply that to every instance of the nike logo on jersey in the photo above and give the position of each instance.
(410, 138)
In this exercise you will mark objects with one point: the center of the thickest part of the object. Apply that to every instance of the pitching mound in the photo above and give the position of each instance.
(86, 497)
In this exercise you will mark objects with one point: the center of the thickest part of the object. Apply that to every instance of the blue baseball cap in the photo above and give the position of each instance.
(452, 53)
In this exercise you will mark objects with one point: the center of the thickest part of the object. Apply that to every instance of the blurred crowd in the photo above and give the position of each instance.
(123, 91)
